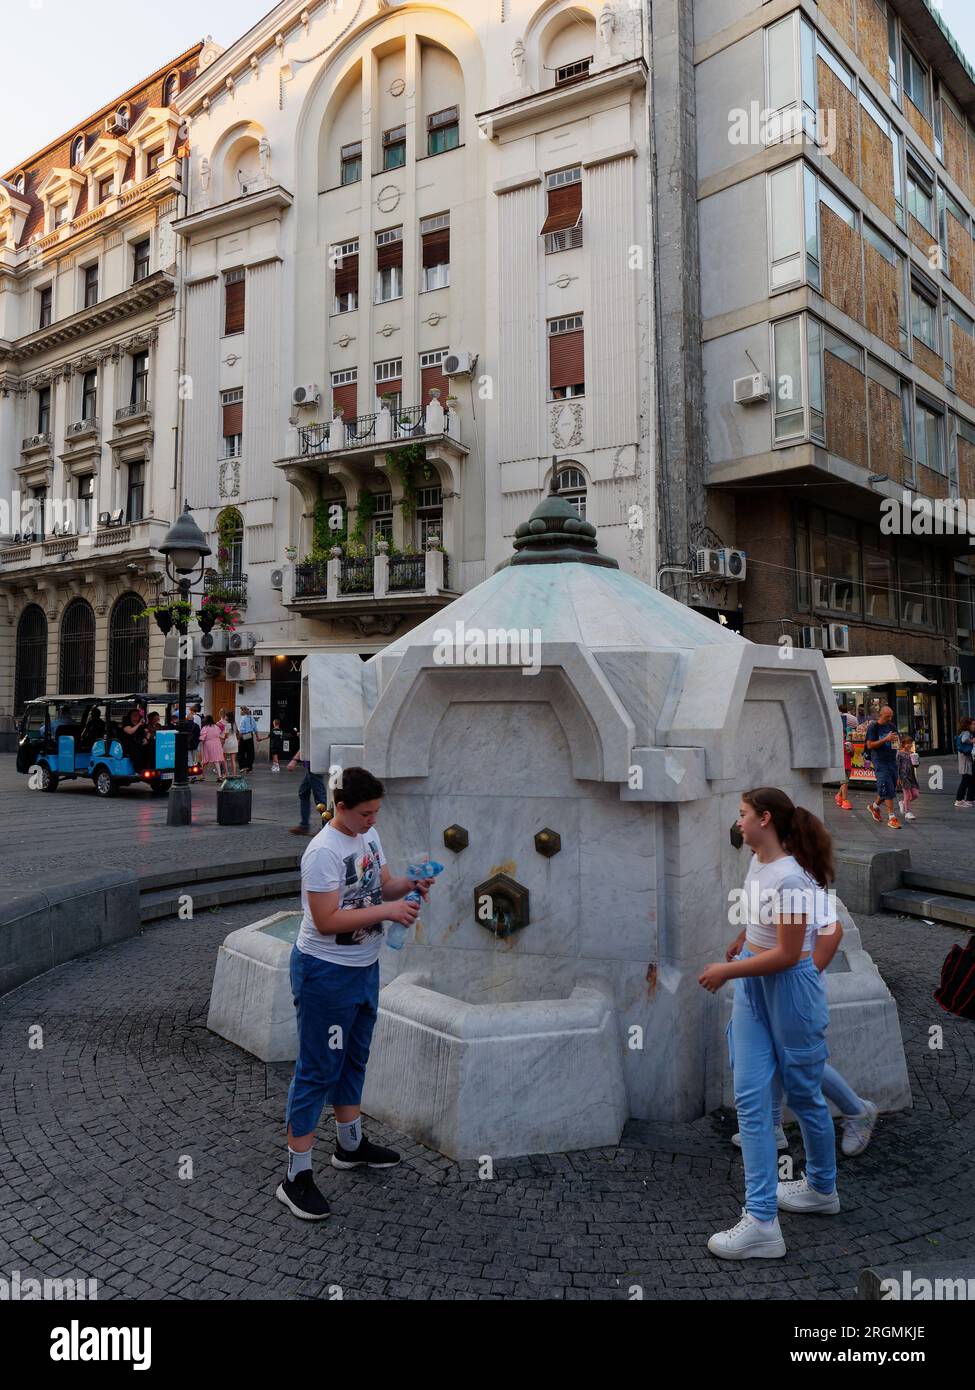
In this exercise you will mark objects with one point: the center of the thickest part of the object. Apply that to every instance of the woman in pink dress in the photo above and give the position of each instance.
(211, 747)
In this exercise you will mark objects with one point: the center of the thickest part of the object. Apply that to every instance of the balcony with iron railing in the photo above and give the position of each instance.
(230, 587)
(377, 584)
(137, 410)
(383, 428)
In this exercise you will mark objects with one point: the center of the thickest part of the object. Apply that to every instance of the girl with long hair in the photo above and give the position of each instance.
(779, 1019)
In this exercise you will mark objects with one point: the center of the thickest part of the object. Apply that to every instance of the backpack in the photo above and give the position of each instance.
(956, 993)
(963, 744)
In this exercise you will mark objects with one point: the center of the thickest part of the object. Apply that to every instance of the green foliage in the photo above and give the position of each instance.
(405, 463)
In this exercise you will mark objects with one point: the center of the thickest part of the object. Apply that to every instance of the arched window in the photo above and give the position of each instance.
(31, 677)
(571, 483)
(77, 149)
(128, 646)
(76, 649)
(230, 543)
(19, 182)
(170, 89)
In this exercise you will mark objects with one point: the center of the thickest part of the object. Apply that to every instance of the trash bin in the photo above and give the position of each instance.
(234, 802)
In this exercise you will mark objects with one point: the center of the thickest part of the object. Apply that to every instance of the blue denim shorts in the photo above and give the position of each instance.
(337, 1007)
(886, 783)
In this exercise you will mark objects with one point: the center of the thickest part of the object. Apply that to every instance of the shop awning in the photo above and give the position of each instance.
(854, 672)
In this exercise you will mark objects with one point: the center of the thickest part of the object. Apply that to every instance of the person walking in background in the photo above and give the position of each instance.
(907, 762)
(211, 748)
(882, 737)
(276, 740)
(847, 723)
(965, 794)
(247, 731)
(230, 743)
(311, 785)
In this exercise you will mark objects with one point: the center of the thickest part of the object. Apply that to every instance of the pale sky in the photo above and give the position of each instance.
(66, 58)
(63, 59)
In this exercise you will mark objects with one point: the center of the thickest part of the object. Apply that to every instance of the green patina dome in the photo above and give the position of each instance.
(555, 534)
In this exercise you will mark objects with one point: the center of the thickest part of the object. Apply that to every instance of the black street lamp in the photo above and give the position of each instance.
(185, 547)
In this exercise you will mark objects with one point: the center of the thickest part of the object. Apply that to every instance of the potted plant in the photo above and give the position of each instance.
(225, 614)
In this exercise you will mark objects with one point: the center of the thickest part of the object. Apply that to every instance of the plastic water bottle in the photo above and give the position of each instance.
(396, 932)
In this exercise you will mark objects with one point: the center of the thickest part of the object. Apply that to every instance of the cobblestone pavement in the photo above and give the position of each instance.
(71, 829)
(129, 1083)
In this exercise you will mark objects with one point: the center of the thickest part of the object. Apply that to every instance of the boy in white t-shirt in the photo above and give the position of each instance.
(346, 893)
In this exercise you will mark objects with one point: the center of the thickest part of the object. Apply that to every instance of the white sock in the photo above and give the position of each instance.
(350, 1135)
(297, 1163)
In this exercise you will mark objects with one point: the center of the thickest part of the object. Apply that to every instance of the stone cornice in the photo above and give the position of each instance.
(159, 285)
(244, 209)
(631, 74)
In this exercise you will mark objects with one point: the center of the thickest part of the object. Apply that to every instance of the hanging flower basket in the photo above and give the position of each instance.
(224, 613)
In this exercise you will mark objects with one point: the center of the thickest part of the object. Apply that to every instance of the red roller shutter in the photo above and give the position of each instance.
(433, 376)
(347, 275)
(389, 254)
(436, 247)
(345, 396)
(233, 419)
(564, 208)
(565, 359)
(388, 388)
(234, 307)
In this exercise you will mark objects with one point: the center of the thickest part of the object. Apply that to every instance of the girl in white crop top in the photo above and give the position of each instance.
(779, 1017)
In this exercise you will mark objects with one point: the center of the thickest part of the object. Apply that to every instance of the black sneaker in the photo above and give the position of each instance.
(368, 1154)
(302, 1197)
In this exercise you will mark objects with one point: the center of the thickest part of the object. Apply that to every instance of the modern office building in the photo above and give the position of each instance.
(835, 174)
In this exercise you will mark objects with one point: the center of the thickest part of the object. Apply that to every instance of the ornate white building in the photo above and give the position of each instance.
(89, 361)
(416, 283)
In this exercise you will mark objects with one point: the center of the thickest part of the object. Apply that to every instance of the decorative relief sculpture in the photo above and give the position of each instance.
(518, 61)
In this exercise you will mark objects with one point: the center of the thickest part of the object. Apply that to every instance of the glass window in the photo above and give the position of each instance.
(394, 147)
(86, 495)
(153, 160)
(920, 196)
(843, 559)
(814, 351)
(572, 488)
(105, 188)
(89, 395)
(43, 409)
(893, 50)
(91, 286)
(930, 437)
(140, 378)
(916, 81)
(46, 300)
(915, 607)
(780, 65)
(140, 260)
(389, 283)
(136, 490)
(878, 579)
(785, 231)
(789, 414)
(811, 223)
(924, 319)
(907, 419)
(443, 130)
(897, 144)
(352, 162)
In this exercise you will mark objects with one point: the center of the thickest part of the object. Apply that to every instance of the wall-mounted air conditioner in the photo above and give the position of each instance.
(951, 675)
(813, 637)
(459, 364)
(215, 641)
(240, 668)
(242, 642)
(306, 395)
(837, 637)
(751, 389)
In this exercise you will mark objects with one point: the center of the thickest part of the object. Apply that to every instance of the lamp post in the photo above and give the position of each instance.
(184, 548)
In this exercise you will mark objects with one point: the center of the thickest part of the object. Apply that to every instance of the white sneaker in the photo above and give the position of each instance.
(964, 804)
(799, 1196)
(275, 768)
(858, 1130)
(781, 1142)
(909, 815)
(748, 1241)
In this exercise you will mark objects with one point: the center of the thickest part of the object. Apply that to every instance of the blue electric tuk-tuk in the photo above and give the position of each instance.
(66, 737)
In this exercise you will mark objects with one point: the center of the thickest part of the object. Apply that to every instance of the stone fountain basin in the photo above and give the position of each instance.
(489, 1079)
(469, 1079)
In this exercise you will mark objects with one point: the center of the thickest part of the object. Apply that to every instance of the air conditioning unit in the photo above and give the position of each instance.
(459, 364)
(170, 668)
(813, 637)
(707, 562)
(837, 637)
(750, 389)
(951, 675)
(306, 395)
(733, 563)
(278, 576)
(240, 668)
(104, 518)
(242, 642)
(215, 641)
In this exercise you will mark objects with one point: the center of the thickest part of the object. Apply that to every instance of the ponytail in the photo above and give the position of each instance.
(800, 832)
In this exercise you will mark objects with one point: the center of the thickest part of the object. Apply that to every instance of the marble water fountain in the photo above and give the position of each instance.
(579, 785)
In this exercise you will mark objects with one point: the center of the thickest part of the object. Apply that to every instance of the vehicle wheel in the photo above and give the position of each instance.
(104, 785)
(159, 788)
(49, 779)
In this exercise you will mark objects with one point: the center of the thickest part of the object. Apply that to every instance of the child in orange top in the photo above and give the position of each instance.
(907, 763)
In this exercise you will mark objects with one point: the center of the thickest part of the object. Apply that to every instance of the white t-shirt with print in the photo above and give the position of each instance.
(783, 888)
(351, 865)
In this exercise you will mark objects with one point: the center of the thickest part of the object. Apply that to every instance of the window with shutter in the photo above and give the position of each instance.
(566, 358)
(344, 393)
(233, 422)
(435, 252)
(564, 207)
(389, 265)
(345, 258)
(431, 376)
(234, 289)
(389, 382)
